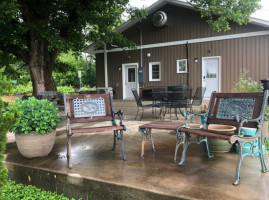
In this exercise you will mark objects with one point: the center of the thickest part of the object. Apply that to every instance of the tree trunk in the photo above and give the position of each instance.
(41, 62)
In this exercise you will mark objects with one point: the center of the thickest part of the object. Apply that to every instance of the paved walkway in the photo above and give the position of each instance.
(99, 173)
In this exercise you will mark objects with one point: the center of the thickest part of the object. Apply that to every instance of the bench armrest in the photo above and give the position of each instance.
(240, 136)
(189, 115)
(120, 113)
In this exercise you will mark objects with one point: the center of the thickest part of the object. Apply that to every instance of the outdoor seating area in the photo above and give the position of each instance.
(98, 172)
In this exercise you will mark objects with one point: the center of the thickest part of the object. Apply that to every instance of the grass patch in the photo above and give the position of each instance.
(13, 191)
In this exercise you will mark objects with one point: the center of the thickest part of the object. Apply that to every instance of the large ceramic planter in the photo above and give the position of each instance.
(218, 145)
(32, 145)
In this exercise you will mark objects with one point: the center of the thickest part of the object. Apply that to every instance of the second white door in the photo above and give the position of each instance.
(211, 74)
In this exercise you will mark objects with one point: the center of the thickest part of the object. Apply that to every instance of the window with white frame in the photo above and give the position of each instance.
(154, 71)
(182, 66)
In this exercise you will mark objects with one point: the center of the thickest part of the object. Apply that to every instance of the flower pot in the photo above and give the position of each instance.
(218, 145)
(33, 145)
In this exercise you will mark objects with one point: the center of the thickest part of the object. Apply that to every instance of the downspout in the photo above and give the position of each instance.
(105, 65)
(188, 65)
(141, 49)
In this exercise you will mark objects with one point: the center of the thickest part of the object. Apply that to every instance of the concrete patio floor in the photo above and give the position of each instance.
(99, 173)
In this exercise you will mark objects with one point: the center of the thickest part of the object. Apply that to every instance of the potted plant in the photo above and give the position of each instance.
(35, 132)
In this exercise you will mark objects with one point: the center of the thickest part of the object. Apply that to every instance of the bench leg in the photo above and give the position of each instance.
(122, 143)
(185, 138)
(264, 168)
(209, 154)
(114, 140)
(146, 133)
(179, 142)
(69, 162)
(239, 163)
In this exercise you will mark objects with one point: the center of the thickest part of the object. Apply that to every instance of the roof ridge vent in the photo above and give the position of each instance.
(159, 19)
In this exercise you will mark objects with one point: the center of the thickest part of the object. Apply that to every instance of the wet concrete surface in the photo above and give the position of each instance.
(157, 174)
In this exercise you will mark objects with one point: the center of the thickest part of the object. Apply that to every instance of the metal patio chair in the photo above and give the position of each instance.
(197, 99)
(140, 104)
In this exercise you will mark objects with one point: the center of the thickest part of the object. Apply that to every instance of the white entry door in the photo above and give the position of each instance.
(129, 78)
(211, 75)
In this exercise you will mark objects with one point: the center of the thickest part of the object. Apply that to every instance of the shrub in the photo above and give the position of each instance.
(65, 89)
(12, 191)
(23, 89)
(5, 84)
(7, 120)
(36, 115)
(87, 89)
(246, 84)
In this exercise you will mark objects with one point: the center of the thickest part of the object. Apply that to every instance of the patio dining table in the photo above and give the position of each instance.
(171, 100)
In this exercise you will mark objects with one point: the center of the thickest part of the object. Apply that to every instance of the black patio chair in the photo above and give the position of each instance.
(140, 105)
(197, 99)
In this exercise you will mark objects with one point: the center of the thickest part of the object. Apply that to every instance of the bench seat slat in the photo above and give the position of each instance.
(208, 133)
(161, 125)
(96, 129)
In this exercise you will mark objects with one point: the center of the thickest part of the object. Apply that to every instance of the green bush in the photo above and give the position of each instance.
(87, 89)
(12, 191)
(65, 89)
(5, 84)
(23, 89)
(246, 84)
(7, 120)
(36, 115)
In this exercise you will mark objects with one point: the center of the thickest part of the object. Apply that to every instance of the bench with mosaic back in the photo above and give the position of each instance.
(234, 109)
(91, 108)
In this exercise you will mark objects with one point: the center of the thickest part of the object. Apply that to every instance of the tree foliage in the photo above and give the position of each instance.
(219, 13)
(36, 31)
(67, 66)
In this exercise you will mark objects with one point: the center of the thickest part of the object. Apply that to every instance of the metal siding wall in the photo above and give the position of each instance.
(182, 24)
(250, 53)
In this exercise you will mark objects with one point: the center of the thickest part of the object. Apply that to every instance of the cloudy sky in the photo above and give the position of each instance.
(263, 13)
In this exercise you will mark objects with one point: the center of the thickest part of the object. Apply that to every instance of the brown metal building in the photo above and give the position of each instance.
(183, 51)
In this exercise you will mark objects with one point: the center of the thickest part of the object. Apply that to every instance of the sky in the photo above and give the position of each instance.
(263, 13)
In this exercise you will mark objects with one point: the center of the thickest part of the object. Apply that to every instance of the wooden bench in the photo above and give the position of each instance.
(235, 109)
(91, 108)
(145, 130)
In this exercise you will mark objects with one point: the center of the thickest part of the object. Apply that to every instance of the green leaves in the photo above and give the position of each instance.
(13, 191)
(36, 115)
(220, 13)
(246, 84)
(8, 117)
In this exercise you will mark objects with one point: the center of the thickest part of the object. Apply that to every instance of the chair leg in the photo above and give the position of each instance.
(114, 141)
(142, 114)
(137, 112)
(122, 143)
(185, 146)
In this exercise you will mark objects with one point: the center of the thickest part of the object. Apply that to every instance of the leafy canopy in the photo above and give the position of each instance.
(62, 25)
(220, 13)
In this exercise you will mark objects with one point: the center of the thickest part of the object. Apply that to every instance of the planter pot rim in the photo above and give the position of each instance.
(221, 127)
